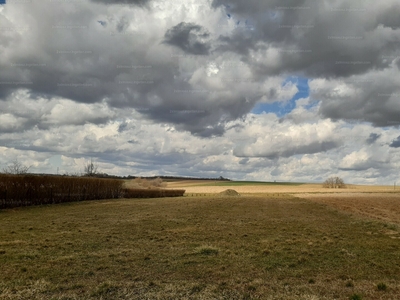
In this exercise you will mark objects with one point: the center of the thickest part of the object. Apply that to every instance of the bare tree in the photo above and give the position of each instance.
(16, 168)
(90, 169)
(334, 182)
(158, 182)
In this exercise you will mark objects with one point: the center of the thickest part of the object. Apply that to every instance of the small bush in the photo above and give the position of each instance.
(349, 284)
(355, 297)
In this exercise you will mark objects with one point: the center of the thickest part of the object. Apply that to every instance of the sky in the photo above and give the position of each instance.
(285, 90)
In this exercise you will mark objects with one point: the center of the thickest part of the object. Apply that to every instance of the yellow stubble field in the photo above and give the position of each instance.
(202, 186)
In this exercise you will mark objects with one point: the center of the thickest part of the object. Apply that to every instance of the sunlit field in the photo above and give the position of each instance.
(202, 186)
(203, 247)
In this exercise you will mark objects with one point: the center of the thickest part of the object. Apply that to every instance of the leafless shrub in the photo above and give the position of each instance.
(158, 182)
(90, 169)
(144, 183)
(334, 182)
(16, 168)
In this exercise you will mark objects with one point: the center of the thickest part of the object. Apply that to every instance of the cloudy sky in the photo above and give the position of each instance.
(286, 90)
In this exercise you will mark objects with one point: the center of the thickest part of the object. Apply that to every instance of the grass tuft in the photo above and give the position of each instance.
(104, 290)
(349, 283)
(381, 286)
(207, 250)
(197, 288)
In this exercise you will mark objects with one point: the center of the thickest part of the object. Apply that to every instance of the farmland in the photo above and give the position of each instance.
(273, 242)
(192, 186)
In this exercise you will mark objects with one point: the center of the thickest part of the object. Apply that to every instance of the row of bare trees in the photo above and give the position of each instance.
(17, 168)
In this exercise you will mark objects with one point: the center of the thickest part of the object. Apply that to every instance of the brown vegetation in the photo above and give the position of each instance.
(26, 190)
(334, 183)
(151, 193)
(202, 187)
(195, 248)
(16, 168)
(381, 206)
(142, 183)
(145, 188)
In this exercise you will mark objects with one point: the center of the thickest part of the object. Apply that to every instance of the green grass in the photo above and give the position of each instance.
(242, 183)
(194, 248)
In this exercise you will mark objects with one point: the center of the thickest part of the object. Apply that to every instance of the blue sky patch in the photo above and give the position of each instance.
(283, 108)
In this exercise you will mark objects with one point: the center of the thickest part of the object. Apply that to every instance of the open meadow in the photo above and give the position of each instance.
(266, 244)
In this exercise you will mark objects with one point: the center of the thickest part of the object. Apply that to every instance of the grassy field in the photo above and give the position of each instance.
(213, 187)
(208, 247)
(380, 206)
(252, 183)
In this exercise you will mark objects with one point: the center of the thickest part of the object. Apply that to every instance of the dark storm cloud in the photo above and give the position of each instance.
(365, 165)
(390, 17)
(373, 137)
(189, 37)
(395, 143)
(314, 37)
(287, 151)
(194, 117)
(314, 147)
(371, 98)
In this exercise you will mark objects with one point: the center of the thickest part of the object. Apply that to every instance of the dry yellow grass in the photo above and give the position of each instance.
(199, 186)
(257, 246)
(377, 202)
(195, 248)
(381, 206)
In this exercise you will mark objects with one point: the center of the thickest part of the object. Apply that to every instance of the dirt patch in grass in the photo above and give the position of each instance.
(195, 248)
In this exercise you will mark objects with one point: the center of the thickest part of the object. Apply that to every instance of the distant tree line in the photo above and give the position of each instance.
(91, 169)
